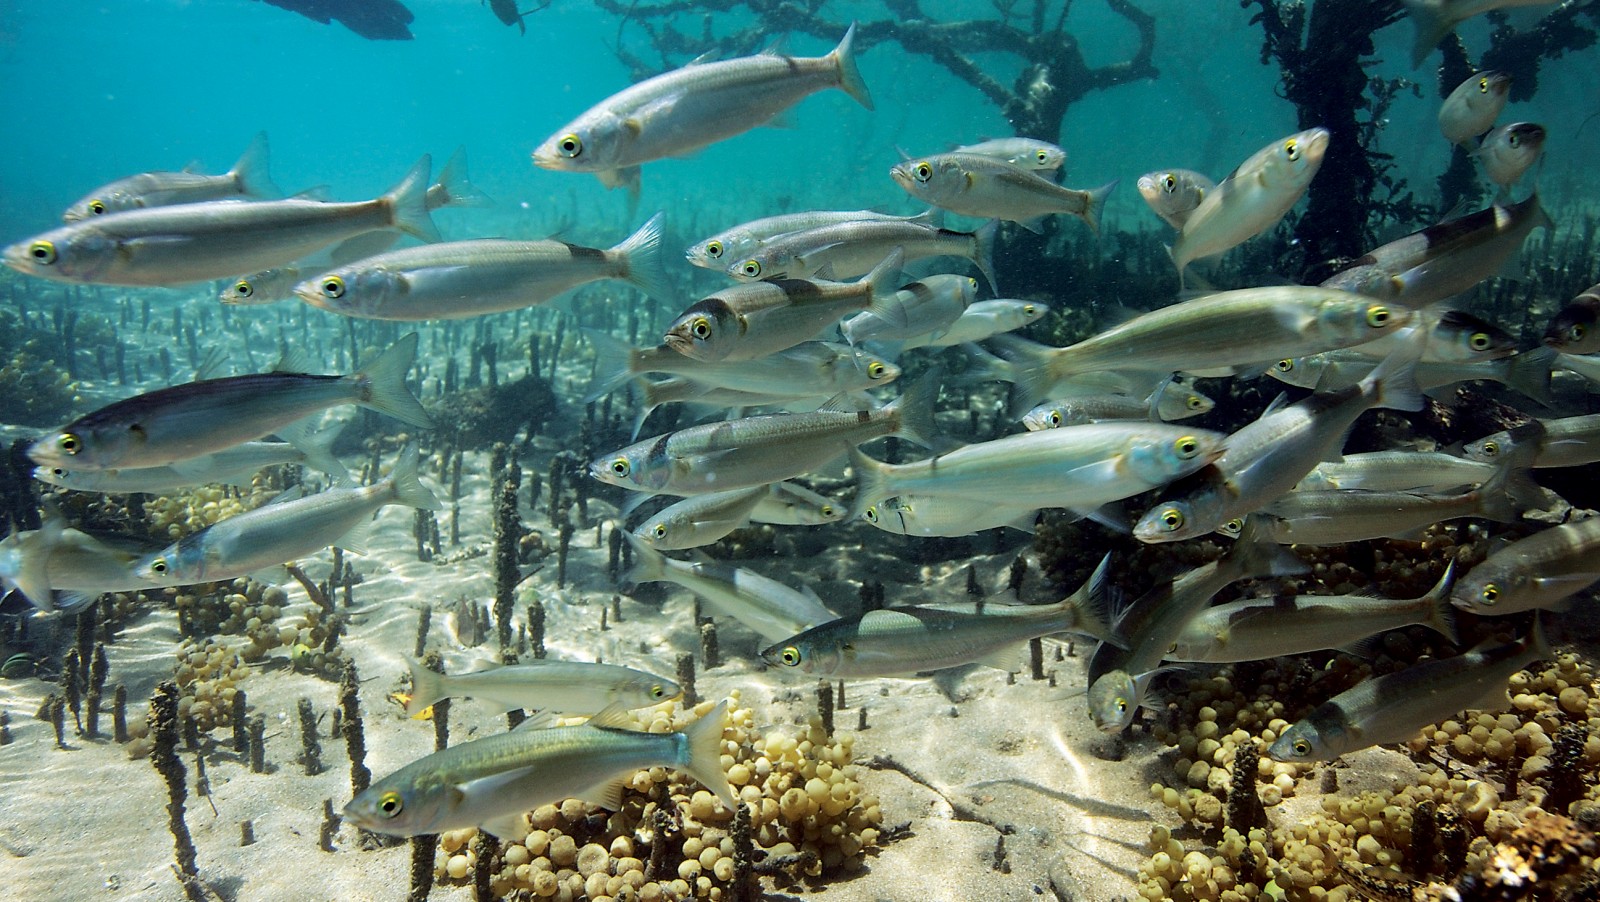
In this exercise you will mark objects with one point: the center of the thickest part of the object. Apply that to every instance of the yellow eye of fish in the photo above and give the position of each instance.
(790, 656)
(333, 287)
(97, 206)
(1194, 402)
(1028, 309)
(827, 510)
(1490, 594)
(1172, 518)
(1483, 86)
(1377, 317)
(1042, 156)
(1187, 447)
(1055, 418)
(243, 289)
(390, 803)
(661, 530)
(1491, 448)
(1170, 183)
(69, 443)
(923, 172)
(657, 691)
(871, 514)
(875, 370)
(570, 145)
(1302, 747)
(42, 252)
(1284, 365)
(621, 467)
(1122, 705)
(714, 249)
(1291, 149)
(1479, 341)
(701, 327)
(159, 565)
(751, 268)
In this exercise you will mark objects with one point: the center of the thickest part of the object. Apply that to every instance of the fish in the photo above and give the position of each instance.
(1433, 19)
(700, 519)
(256, 540)
(790, 504)
(248, 179)
(375, 20)
(749, 321)
(1540, 571)
(1078, 467)
(1175, 193)
(1396, 471)
(1023, 153)
(1527, 372)
(1508, 152)
(1451, 336)
(982, 320)
(461, 279)
(1573, 330)
(934, 515)
(768, 608)
(176, 245)
(59, 568)
(763, 449)
(168, 425)
(1171, 400)
(1585, 365)
(1445, 259)
(1473, 106)
(987, 188)
(1252, 198)
(677, 113)
(231, 466)
(1119, 678)
(490, 783)
(1223, 330)
(929, 305)
(1255, 629)
(1562, 442)
(742, 240)
(1393, 707)
(908, 639)
(1265, 459)
(568, 687)
(808, 369)
(848, 249)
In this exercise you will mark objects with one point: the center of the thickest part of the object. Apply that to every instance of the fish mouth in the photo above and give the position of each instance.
(901, 177)
(678, 342)
(548, 158)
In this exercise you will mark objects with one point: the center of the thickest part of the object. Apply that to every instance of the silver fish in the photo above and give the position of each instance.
(1473, 106)
(1172, 400)
(460, 279)
(165, 246)
(740, 241)
(808, 369)
(848, 249)
(1565, 442)
(1508, 152)
(492, 782)
(935, 515)
(929, 305)
(909, 639)
(231, 466)
(1174, 194)
(172, 424)
(1023, 153)
(1585, 365)
(789, 504)
(679, 112)
(1540, 571)
(1393, 707)
(1527, 372)
(58, 568)
(271, 535)
(1252, 199)
(767, 607)
(981, 320)
(1450, 336)
(1433, 19)
(568, 687)
(1396, 471)
(981, 186)
(700, 519)
(1576, 329)
(248, 179)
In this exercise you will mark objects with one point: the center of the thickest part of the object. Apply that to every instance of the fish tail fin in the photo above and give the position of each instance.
(1441, 613)
(1537, 639)
(32, 575)
(640, 256)
(383, 384)
(317, 448)
(427, 687)
(985, 367)
(1528, 373)
(844, 56)
(1431, 28)
(702, 754)
(1394, 382)
(914, 410)
(872, 482)
(1095, 204)
(454, 188)
(983, 253)
(649, 565)
(883, 282)
(613, 364)
(405, 482)
(1181, 265)
(1092, 608)
(1512, 484)
(1031, 373)
(251, 174)
(408, 202)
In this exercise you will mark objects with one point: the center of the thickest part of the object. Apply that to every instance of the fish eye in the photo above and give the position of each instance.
(1576, 332)
(42, 252)
(1122, 705)
(69, 443)
(1172, 519)
(570, 145)
(875, 370)
(751, 268)
(714, 249)
(790, 656)
(390, 803)
(1291, 149)
(1029, 309)
(871, 514)
(1055, 418)
(701, 327)
(1041, 156)
(242, 289)
(57, 472)
(658, 691)
(660, 530)
(1302, 747)
(621, 467)
(97, 206)
(333, 287)
(827, 510)
(1479, 341)
(1491, 448)
(1285, 365)
(1187, 447)
(1490, 593)
(159, 565)
(1483, 86)
(1194, 402)
(1377, 316)
(1515, 140)
(922, 171)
